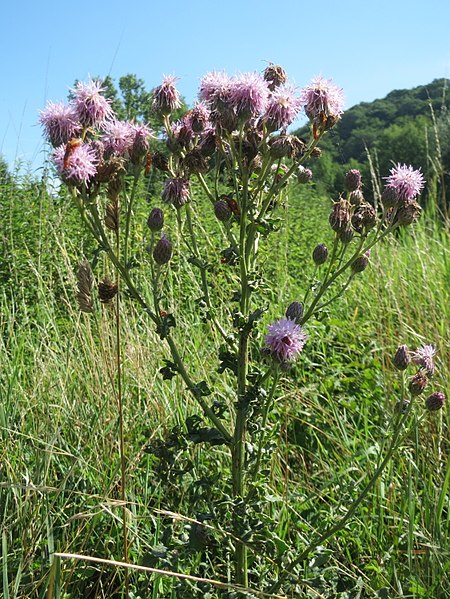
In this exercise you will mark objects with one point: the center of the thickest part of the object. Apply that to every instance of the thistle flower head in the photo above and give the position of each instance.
(353, 179)
(406, 181)
(402, 357)
(215, 89)
(141, 141)
(285, 340)
(198, 117)
(80, 166)
(60, 123)
(282, 108)
(166, 97)
(248, 95)
(91, 107)
(322, 100)
(424, 356)
(118, 136)
(162, 252)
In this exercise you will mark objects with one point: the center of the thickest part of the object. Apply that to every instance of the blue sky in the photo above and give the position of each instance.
(367, 48)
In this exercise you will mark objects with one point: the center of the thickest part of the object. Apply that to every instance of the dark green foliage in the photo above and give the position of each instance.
(406, 126)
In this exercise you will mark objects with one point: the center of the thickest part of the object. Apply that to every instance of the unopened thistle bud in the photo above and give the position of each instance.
(275, 76)
(295, 312)
(162, 252)
(320, 254)
(107, 290)
(417, 383)
(346, 235)
(340, 215)
(222, 211)
(85, 282)
(353, 180)
(304, 175)
(389, 198)
(360, 263)
(401, 358)
(356, 197)
(155, 221)
(435, 401)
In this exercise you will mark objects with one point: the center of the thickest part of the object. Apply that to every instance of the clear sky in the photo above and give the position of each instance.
(367, 48)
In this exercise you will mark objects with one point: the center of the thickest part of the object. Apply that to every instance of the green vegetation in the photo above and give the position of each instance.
(60, 467)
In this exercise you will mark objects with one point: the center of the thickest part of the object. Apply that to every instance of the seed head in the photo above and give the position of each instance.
(275, 76)
(340, 215)
(107, 291)
(417, 383)
(304, 175)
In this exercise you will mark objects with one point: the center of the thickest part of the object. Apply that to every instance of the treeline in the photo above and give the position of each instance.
(408, 126)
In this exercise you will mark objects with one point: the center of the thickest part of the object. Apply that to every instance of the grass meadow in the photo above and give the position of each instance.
(59, 453)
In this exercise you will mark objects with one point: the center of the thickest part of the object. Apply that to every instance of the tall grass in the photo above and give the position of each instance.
(58, 423)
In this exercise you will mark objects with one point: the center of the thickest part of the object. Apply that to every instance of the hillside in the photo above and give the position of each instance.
(401, 127)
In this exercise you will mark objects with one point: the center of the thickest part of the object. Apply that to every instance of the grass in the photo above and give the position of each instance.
(59, 455)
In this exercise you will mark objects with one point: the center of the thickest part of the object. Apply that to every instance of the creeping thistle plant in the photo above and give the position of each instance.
(234, 147)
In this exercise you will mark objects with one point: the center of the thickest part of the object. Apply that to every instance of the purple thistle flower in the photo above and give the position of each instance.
(322, 100)
(166, 97)
(282, 108)
(285, 340)
(248, 95)
(80, 166)
(60, 123)
(176, 192)
(141, 141)
(424, 356)
(215, 89)
(90, 106)
(405, 181)
(118, 136)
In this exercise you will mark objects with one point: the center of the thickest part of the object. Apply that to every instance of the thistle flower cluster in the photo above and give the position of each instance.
(423, 358)
(88, 138)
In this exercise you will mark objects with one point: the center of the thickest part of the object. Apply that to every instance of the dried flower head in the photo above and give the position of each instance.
(91, 107)
(304, 175)
(424, 356)
(107, 290)
(322, 100)
(417, 383)
(285, 340)
(166, 97)
(340, 215)
(176, 192)
(408, 212)
(274, 75)
(282, 108)
(85, 283)
(60, 123)
(406, 181)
